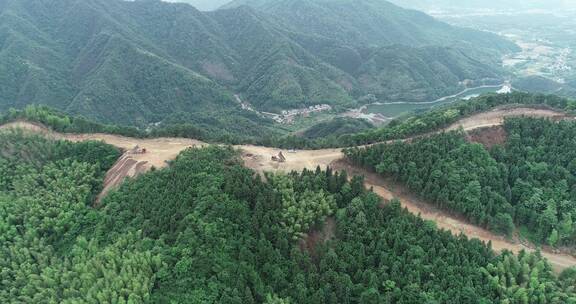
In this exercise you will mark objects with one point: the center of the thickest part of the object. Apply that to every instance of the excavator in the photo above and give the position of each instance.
(279, 158)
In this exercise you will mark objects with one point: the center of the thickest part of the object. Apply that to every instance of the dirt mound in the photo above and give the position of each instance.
(30, 127)
(125, 167)
(488, 136)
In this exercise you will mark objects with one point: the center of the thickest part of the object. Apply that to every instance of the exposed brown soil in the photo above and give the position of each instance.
(388, 190)
(316, 237)
(488, 136)
(496, 117)
(158, 151)
(161, 150)
(124, 168)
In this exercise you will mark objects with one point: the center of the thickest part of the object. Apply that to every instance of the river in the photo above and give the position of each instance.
(393, 110)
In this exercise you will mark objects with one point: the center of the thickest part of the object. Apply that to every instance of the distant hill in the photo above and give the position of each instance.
(109, 60)
(485, 4)
(539, 84)
(203, 5)
(370, 23)
(138, 62)
(393, 53)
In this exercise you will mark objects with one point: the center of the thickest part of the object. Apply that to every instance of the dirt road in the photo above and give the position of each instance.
(259, 158)
(161, 150)
(496, 117)
(389, 190)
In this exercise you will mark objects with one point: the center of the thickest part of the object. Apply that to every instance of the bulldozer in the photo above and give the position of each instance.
(279, 158)
(138, 150)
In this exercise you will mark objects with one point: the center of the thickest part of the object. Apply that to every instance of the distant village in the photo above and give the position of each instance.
(288, 116)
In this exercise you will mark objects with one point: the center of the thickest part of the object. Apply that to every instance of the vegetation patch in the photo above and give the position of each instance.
(527, 181)
(488, 137)
(208, 230)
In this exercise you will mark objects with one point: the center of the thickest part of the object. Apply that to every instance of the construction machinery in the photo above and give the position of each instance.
(138, 150)
(279, 158)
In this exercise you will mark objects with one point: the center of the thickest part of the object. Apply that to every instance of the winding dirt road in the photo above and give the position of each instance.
(161, 150)
(389, 190)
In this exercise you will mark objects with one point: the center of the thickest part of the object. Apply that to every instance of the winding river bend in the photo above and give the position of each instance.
(380, 112)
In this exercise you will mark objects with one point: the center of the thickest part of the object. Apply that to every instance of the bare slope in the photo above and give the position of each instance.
(161, 150)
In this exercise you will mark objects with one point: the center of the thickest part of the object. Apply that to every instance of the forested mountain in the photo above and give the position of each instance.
(392, 53)
(93, 58)
(370, 23)
(137, 62)
(207, 230)
(528, 181)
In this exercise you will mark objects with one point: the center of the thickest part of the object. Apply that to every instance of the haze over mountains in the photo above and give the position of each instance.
(187, 190)
(146, 61)
(203, 5)
(486, 4)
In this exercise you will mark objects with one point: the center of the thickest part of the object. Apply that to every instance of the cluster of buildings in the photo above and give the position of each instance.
(288, 116)
(310, 109)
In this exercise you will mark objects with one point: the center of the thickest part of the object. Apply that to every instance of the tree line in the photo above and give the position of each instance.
(240, 131)
(208, 230)
(527, 183)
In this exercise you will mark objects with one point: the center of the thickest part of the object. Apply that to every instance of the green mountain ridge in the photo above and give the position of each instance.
(362, 23)
(424, 59)
(208, 230)
(148, 61)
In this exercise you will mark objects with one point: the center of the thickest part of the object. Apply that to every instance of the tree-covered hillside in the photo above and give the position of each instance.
(93, 58)
(427, 122)
(207, 230)
(390, 52)
(529, 181)
(337, 127)
(401, 73)
(362, 22)
(140, 62)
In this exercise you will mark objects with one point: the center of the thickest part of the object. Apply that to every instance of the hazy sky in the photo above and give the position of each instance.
(487, 4)
(430, 4)
(203, 5)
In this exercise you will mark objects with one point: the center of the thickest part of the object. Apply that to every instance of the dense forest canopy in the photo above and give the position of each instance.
(338, 133)
(529, 181)
(427, 122)
(143, 62)
(208, 230)
(239, 131)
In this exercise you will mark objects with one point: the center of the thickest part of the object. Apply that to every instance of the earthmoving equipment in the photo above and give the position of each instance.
(138, 150)
(279, 158)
